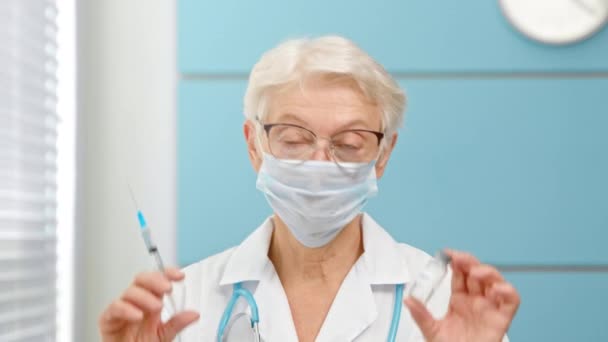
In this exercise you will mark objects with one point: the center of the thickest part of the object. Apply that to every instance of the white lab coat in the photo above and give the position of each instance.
(361, 311)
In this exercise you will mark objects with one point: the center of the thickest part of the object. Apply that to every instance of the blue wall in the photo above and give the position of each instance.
(503, 153)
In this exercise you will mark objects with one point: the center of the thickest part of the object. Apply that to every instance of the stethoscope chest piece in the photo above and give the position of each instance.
(240, 328)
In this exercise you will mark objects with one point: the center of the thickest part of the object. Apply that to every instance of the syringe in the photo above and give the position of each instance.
(150, 245)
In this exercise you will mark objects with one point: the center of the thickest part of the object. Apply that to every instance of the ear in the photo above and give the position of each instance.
(255, 155)
(384, 157)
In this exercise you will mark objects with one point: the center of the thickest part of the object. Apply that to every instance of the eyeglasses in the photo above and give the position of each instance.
(288, 141)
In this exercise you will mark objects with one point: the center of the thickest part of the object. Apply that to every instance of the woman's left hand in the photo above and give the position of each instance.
(481, 307)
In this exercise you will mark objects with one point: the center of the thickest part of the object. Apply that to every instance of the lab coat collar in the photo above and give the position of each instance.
(250, 259)
(384, 262)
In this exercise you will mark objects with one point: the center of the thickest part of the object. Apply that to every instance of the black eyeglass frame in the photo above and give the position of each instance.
(268, 127)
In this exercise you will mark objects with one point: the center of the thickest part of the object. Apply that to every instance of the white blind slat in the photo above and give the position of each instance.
(18, 254)
(29, 275)
(26, 294)
(34, 332)
(33, 311)
(14, 234)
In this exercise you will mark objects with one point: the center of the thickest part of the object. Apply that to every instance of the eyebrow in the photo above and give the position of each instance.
(347, 126)
(292, 117)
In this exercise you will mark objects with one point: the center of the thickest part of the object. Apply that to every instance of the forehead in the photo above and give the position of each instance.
(324, 106)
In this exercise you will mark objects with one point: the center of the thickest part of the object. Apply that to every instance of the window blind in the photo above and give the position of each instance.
(28, 135)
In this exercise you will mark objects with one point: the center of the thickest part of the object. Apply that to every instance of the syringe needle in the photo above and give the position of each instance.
(133, 196)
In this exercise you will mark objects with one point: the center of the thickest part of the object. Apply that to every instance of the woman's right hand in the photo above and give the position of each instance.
(135, 316)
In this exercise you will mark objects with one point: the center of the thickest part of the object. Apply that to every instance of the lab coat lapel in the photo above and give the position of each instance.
(353, 309)
(276, 322)
(250, 264)
(383, 258)
(250, 259)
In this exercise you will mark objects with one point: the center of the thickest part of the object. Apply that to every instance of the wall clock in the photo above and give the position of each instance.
(556, 22)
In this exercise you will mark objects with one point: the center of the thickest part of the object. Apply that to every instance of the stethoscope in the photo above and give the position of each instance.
(239, 291)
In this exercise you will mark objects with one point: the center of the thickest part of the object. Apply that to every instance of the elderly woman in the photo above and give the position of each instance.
(321, 123)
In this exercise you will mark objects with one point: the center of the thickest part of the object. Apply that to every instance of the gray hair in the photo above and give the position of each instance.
(292, 61)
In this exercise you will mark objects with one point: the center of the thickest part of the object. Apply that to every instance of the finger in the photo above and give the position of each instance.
(474, 286)
(481, 277)
(462, 263)
(174, 274)
(486, 273)
(427, 324)
(177, 323)
(506, 297)
(120, 310)
(142, 299)
(458, 281)
(462, 260)
(154, 282)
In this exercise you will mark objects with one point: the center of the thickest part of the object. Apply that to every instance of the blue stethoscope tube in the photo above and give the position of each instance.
(239, 291)
(392, 333)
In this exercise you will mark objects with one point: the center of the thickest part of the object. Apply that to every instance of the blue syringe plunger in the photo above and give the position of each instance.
(141, 219)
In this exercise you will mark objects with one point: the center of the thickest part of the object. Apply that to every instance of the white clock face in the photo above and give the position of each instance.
(556, 21)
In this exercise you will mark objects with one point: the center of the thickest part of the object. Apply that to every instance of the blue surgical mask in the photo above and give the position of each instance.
(316, 199)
